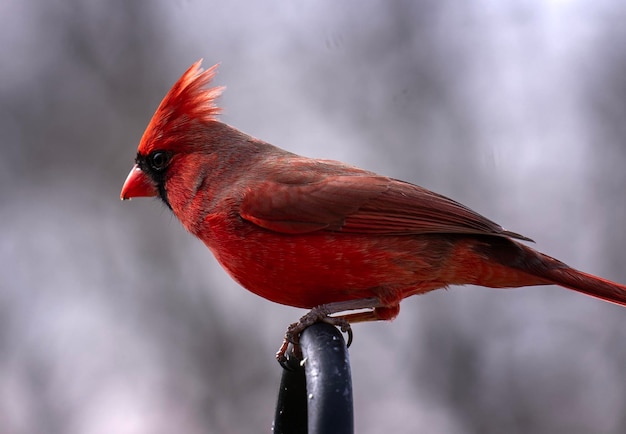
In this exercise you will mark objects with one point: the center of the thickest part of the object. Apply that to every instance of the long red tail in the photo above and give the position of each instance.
(517, 256)
(586, 283)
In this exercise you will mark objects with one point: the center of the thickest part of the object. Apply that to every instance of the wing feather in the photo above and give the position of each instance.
(361, 203)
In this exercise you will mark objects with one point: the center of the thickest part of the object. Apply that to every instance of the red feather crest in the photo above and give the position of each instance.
(190, 100)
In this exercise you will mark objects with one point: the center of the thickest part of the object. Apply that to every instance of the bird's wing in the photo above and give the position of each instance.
(366, 204)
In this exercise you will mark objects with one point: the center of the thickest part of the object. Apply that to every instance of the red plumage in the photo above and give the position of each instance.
(306, 232)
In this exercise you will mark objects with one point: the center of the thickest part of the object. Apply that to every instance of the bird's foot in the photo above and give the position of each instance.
(315, 315)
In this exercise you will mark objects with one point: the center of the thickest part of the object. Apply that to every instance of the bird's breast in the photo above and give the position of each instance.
(306, 270)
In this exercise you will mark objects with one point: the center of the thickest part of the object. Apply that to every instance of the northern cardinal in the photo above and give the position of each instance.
(321, 234)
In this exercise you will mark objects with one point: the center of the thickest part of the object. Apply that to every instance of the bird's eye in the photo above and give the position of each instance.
(158, 160)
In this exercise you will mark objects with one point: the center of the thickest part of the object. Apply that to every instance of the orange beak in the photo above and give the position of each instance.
(137, 184)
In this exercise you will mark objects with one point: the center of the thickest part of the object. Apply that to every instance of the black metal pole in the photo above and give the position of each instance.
(291, 408)
(316, 396)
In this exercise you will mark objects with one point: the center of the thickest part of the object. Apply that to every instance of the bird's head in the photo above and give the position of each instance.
(177, 123)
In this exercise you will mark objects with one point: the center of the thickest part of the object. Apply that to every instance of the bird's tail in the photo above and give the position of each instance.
(586, 283)
(547, 270)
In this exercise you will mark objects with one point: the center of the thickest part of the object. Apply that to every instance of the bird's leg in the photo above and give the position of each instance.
(323, 313)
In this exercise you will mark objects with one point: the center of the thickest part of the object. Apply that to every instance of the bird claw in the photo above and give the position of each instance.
(288, 361)
(292, 335)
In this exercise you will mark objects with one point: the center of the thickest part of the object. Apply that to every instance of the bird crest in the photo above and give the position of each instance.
(190, 101)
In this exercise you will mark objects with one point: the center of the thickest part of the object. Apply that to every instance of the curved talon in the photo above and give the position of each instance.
(286, 362)
(343, 325)
(281, 354)
(348, 331)
(292, 335)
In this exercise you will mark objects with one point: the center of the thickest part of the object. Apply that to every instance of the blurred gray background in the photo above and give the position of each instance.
(114, 320)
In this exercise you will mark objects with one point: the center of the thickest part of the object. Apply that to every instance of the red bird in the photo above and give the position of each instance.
(321, 234)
